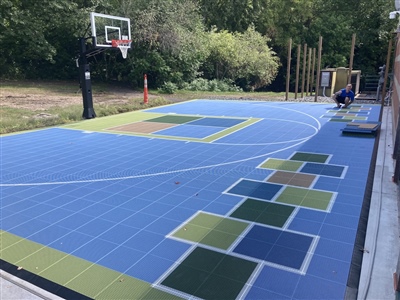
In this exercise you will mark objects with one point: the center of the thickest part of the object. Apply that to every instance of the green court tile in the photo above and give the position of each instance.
(18, 251)
(267, 213)
(157, 294)
(219, 239)
(125, 287)
(319, 195)
(310, 157)
(223, 278)
(231, 226)
(295, 191)
(93, 280)
(174, 119)
(355, 118)
(41, 260)
(317, 204)
(290, 199)
(206, 220)
(253, 204)
(219, 287)
(279, 164)
(192, 233)
(65, 270)
(272, 219)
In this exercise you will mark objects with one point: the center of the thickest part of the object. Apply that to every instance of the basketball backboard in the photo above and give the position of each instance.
(106, 28)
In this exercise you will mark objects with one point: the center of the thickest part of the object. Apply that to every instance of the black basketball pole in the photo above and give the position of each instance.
(86, 84)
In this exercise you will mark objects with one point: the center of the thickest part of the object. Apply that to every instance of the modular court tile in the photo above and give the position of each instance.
(97, 212)
(310, 157)
(263, 212)
(210, 275)
(211, 230)
(143, 127)
(218, 122)
(291, 178)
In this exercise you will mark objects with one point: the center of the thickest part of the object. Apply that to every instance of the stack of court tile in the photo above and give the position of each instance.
(368, 127)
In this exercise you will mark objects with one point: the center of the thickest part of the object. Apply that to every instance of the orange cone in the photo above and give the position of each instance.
(146, 93)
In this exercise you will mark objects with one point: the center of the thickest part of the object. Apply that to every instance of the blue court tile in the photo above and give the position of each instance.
(117, 214)
(74, 221)
(208, 193)
(60, 200)
(244, 187)
(253, 248)
(55, 215)
(180, 214)
(288, 257)
(144, 241)
(341, 234)
(121, 259)
(277, 281)
(311, 215)
(96, 210)
(94, 250)
(346, 209)
(78, 205)
(329, 269)
(172, 199)
(139, 220)
(305, 226)
(265, 234)
(150, 268)
(29, 227)
(37, 210)
(258, 294)
(311, 287)
(10, 222)
(228, 199)
(116, 200)
(95, 227)
(132, 191)
(136, 204)
(186, 191)
(170, 249)
(342, 220)
(255, 189)
(218, 208)
(322, 169)
(266, 191)
(157, 209)
(294, 241)
(334, 249)
(49, 235)
(19, 206)
(119, 234)
(152, 194)
(194, 203)
(163, 226)
(70, 242)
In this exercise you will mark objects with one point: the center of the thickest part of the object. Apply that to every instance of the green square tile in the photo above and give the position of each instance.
(219, 287)
(66, 269)
(235, 268)
(279, 209)
(191, 232)
(279, 164)
(290, 199)
(18, 251)
(186, 279)
(156, 294)
(231, 226)
(272, 219)
(295, 191)
(219, 239)
(313, 203)
(339, 120)
(319, 195)
(125, 287)
(310, 157)
(206, 220)
(93, 280)
(41, 260)
(203, 259)
(246, 214)
(253, 204)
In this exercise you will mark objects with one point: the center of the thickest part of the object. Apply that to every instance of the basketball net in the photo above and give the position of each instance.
(123, 46)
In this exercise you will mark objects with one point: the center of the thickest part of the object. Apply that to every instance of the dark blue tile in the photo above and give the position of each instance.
(322, 169)
(266, 191)
(265, 234)
(295, 241)
(245, 187)
(286, 256)
(253, 248)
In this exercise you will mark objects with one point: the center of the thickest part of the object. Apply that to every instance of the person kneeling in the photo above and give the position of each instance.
(344, 96)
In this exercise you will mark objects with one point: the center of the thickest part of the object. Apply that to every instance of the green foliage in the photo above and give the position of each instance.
(168, 88)
(215, 85)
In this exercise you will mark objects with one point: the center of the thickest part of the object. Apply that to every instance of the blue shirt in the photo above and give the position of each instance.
(350, 94)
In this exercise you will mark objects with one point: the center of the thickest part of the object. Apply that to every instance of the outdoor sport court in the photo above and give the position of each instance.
(202, 199)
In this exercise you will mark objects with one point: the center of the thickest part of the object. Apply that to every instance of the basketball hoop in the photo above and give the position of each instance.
(123, 46)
